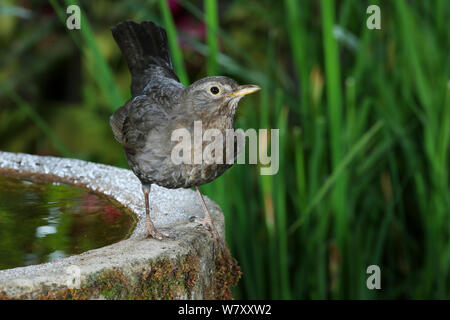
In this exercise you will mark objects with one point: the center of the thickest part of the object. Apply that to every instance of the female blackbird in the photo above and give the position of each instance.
(159, 105)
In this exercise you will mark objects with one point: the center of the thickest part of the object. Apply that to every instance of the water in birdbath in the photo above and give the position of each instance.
(40, 222)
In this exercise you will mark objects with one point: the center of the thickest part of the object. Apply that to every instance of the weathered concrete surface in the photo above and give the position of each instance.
(184, 266)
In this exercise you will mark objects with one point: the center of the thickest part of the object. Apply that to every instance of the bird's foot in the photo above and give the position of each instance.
(152, 232)
(208, 224)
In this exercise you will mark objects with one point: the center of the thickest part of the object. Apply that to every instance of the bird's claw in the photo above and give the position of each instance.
(202, 222)
(152, 232)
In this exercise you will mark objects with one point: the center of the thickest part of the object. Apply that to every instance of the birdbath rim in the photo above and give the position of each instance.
(174, 209)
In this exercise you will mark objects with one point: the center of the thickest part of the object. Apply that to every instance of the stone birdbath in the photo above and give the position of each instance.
(183, 267)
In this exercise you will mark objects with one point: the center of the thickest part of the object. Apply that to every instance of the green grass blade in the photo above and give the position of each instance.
(281, 210)
(212, 35)
(297, 37)
(41, 124)
(339, 170)
(172, 37)
(334, 101)
(88, 45)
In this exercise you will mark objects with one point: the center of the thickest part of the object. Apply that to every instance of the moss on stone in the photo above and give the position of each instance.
(163, 279)
(226, 275)
(190, 267)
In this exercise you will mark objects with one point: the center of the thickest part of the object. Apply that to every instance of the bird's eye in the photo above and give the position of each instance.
(214, 90)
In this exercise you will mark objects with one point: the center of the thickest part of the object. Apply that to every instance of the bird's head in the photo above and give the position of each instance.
(216, 96)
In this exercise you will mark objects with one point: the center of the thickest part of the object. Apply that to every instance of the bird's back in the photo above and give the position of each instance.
(143, 125)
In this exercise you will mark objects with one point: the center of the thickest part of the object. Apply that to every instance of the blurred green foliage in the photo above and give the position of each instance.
(364, 118)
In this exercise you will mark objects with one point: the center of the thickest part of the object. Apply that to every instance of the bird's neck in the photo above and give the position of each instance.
(221, 122)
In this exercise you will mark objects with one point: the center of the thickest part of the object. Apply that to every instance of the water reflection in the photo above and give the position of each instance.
(43, 222)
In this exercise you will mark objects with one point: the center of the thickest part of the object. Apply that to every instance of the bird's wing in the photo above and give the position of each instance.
(133, 122)
(145, 49)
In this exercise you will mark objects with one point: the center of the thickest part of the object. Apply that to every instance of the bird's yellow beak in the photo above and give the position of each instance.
(244, 90)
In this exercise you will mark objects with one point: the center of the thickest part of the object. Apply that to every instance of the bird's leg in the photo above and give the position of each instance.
(207, 220)
(152, 232)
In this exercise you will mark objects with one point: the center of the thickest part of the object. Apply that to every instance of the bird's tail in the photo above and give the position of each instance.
(142, 45)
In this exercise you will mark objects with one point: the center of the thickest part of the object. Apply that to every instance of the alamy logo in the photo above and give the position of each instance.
(192, 151)
(374, 280)
(374, 20)
(74, 20)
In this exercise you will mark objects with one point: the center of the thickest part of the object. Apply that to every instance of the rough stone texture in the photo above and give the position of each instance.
(187, 265)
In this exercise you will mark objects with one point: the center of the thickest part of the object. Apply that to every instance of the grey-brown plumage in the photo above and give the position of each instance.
(159, 105)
